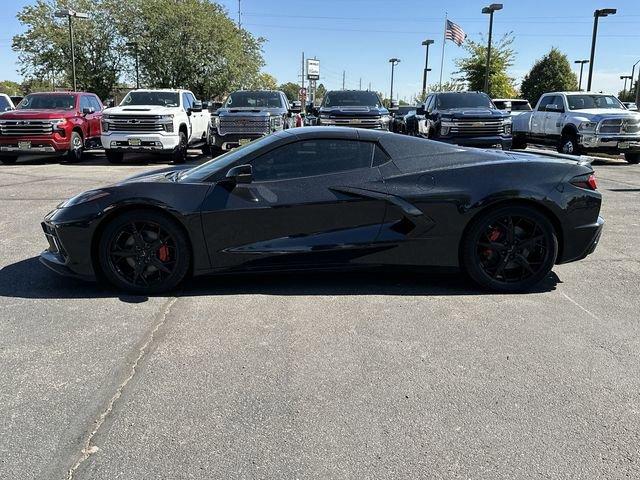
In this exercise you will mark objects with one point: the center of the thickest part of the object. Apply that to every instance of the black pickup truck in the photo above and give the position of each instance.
(250, 114)
(463, 118)
(353, 108)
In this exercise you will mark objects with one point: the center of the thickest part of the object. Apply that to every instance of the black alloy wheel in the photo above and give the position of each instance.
(76, 150)
(180, 153)
(510, 249)
(144, 252)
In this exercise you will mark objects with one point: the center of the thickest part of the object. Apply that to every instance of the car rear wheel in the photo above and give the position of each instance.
(144, 252)
(632, 157)
(9, 160)
(179, 155)
(510, 249)
(569, 144)
(76, 149)
(114, 157)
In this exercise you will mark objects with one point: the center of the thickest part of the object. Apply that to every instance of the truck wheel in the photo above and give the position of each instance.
(114, 157)
(179, 155)
(632, 158)
(206, 149)
(76, 150)
(9, 160)
(569, 144)
(518, 143)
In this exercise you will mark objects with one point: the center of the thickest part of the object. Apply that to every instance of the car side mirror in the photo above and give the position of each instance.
(197, 106)
(420, 110)
(240, 174)
(87, 111)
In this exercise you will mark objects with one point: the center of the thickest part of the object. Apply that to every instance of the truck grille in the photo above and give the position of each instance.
(619, 126)
(26, 127)
(240, 125)
(472, 128)
(358, 122)
(135, 123)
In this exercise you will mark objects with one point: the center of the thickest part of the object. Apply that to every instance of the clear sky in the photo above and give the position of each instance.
(359, 36)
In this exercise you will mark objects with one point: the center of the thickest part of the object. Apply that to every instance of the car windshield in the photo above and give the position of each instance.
(583, 102)
(211, 167)
(4, 104)
(162, 99)
(254, 100)
(351, 99)
(463, 100)
(516, 105)
(48, 102)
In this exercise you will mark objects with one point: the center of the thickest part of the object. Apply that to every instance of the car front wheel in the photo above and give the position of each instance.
(510, 249)
(144, 252)
(76, 149)
(180, 153)
(569, 144)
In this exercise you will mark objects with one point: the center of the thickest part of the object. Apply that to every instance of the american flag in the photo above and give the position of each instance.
(454, 33)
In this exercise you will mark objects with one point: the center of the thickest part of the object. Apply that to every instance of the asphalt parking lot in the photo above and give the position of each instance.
(316, 376)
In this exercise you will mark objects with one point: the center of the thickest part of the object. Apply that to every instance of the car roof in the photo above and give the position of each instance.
(308, 133)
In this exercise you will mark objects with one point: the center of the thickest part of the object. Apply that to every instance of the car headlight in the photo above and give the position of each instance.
(587, 126)
(215, 121)
(444, 130)
(84, 197)
(166, 118)
(322, 115)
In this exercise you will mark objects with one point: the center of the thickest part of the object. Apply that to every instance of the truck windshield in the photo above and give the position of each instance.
(254, 100)
(162, 99)
(351, 99)
(463, 100)
(582, 102)
(48, 102)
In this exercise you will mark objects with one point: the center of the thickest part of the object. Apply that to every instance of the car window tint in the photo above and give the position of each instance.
(546, 100)
(4, 104)
(379, 157)
(95, 104)
(84, 102)
(186, 101)
(309, 158)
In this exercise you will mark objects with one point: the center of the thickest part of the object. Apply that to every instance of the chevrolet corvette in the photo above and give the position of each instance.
(333, 198)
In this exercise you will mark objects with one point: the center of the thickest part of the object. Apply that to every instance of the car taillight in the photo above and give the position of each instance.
(587, 181)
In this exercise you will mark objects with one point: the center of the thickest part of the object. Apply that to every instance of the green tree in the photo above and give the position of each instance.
(473, 68)
(628, 95)
(9, 87)
(44, 50)
(321, 91)
(551, 73)
(264, 81)
(450, 86)
(291, 90)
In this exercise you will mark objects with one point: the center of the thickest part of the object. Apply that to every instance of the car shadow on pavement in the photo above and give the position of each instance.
(96, 158)
(29, 279)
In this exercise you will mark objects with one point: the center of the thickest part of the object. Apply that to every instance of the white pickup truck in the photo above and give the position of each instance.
(158, 121)
(580, 122)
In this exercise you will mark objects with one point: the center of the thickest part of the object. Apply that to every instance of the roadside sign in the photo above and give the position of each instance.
(313, 69)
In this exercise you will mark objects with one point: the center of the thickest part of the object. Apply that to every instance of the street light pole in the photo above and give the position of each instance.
(581, 62)
(625, 78)
(596, 15)
(426, 43)
(69, 14)
(394, 62)
(489, 10)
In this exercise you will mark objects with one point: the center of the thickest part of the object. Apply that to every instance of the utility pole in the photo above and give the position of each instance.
(489, 10)
(343, 74)
(369, 89)
(581, 62)
(239, 16)
(596, 15)
(302, 70)
(360, 87)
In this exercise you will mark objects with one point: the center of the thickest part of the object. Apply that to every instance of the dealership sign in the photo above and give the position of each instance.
(313, 69)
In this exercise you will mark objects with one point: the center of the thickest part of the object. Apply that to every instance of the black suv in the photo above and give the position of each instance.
(250, 114)
(464, 118)
(353, 108)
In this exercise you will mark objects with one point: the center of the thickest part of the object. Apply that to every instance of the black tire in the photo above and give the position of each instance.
(509, 249)
(633, 158)
(76, 149)
(569, 144)
(206, 149)
(144, 252)
(114, 157)
(518, 143)
(9, 159)
(179, 154)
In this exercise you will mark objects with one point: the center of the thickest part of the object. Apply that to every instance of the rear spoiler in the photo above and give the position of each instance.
(580, 159)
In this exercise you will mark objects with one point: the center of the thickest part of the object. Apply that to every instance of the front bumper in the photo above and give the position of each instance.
(610, 143)
(10, 145)
(139, 143)
(232, 140)
(490, 141)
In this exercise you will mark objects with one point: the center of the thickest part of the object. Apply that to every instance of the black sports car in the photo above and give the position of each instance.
(333, 198)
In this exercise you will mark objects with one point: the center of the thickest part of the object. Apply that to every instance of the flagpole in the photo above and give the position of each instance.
(444, 41)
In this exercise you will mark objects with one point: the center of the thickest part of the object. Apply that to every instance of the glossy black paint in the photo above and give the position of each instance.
(410, 208)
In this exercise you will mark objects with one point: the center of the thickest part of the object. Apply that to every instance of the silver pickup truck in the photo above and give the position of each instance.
(580, 122)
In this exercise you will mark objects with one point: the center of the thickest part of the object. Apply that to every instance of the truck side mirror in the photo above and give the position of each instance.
(87, 111)
(197, 106)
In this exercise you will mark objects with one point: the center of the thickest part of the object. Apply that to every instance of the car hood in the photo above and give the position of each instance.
(36, 114)
(598, 114)
(161, 175)
(354, 111)
(473, 113)
(141, 110)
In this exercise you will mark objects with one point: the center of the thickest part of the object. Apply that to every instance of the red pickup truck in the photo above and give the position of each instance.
(55, 123)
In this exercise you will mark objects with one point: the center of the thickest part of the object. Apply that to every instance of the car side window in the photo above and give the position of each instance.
(546, 100)
(95, 104)
(186, 102)
(85, 103)
(429, 106)
(309, 158)
(191, 97)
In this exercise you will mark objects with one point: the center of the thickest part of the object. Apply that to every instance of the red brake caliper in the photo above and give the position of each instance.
(494, 234)
(163, 253)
